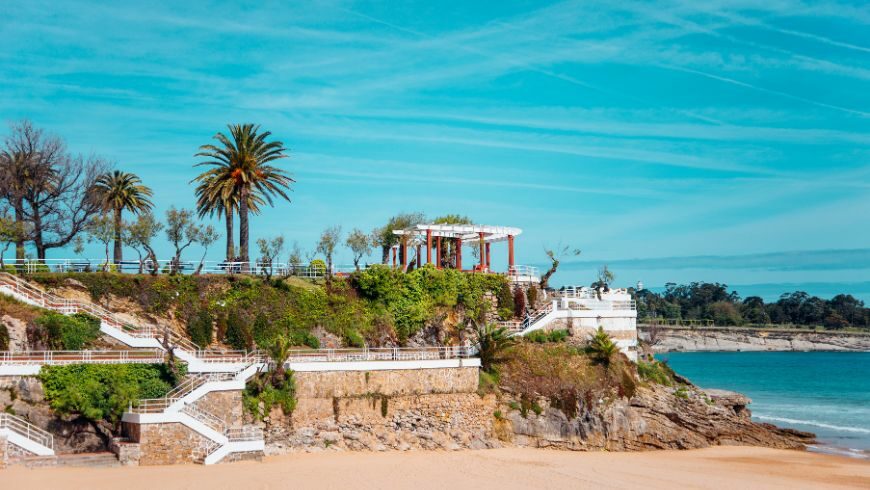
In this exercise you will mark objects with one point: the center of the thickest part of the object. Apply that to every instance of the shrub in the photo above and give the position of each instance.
(533, 296)
(200, 328)
(542, 336)
(656, 372)
(506, 305)
(239, 334)
(519, 303)
(73, 332)
(4, 337)
(264, 392)
(317, 266)
(352, 338)
(102, 391)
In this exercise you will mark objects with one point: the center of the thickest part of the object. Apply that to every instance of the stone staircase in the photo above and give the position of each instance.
(26, 437)
(179, 406)
(80, 460)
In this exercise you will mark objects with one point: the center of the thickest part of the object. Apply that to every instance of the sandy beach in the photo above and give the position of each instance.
(720, 467)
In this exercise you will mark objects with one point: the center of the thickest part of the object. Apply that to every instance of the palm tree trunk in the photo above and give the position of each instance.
(118, 248)
(243, 229)
(231, 246)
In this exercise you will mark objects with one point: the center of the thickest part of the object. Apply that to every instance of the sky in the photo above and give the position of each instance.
(673, 140)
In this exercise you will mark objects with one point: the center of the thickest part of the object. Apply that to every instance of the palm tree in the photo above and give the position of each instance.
(118, 191)
(491, 343)
(210, 200)
(240, 171)
(602, 348)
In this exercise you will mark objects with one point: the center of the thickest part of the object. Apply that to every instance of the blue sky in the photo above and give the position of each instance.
(632, 130)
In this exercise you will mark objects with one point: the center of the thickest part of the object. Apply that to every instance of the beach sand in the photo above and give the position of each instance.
(741, 468)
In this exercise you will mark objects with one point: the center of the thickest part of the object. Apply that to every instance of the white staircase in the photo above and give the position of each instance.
(179, 406)
(26, 435)
(136, 336)
(539, 320)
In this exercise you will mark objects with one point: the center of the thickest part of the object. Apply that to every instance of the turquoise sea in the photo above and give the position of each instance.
(827, 393)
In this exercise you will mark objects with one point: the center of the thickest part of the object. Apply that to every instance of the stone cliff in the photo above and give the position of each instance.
(683, 339)
(657, 417)
(380, 412)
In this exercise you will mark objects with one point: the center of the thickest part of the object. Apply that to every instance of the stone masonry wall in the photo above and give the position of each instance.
(399, 382)
(382, 410)
(4, 444)
(165, 444)
(226, 405)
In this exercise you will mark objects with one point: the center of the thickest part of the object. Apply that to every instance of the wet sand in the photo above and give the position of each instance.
(721, 467)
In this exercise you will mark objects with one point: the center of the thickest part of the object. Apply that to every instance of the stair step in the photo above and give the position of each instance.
(81, 460)
(89, 460)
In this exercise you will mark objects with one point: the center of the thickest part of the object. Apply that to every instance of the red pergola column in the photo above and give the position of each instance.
(404, 255)
(438, 253)
(459, 254)
(419, 256)
(428, 246)
(488, 258)
(482, 252)
(510, 253)
(394, 255)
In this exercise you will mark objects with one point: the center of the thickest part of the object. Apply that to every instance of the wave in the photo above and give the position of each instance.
(851, 453)
(814, 423)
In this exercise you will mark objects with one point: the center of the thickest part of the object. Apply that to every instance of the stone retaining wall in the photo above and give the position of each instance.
(4, 445)
(381, 410)
(381, 422)
(165, 444)
(331, 384)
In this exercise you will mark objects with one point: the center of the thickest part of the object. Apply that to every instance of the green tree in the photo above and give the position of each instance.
(206, 236)
(556, 256)
(360, 244)
(240, 170)
(383, 237)
(326, 245)
(269, 251)
(117, 192)
(182, 231)
(139, 235)
(101, 228)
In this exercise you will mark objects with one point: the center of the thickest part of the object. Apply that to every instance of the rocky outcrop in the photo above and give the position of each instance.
(24, 397)
(657, 417)
(17, 329)
(676, 339)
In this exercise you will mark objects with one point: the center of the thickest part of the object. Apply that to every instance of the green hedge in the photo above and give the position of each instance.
(102, 391)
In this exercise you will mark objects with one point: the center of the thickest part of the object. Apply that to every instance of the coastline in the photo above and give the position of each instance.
(716, 467)
(746, 339)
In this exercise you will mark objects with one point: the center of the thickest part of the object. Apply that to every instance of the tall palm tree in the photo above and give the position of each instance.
(210, 201)
(240, 171)
(118, 191)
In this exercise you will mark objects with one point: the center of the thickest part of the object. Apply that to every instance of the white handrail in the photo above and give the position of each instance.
(26, 429)
(60, 357)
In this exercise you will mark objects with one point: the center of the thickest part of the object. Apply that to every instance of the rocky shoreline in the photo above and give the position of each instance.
(733, 339)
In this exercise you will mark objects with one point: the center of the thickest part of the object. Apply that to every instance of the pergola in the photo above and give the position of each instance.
(432, 235)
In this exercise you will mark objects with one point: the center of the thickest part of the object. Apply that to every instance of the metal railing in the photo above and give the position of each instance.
(68, 306)
(381, 354)
(60, 357)
(523, 270)
(26, 429)
(208, 419)
(186, 387)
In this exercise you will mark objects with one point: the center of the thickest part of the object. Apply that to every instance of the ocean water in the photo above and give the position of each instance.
(827, 393)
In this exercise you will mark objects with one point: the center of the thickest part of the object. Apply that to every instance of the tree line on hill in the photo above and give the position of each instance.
(713, 301)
